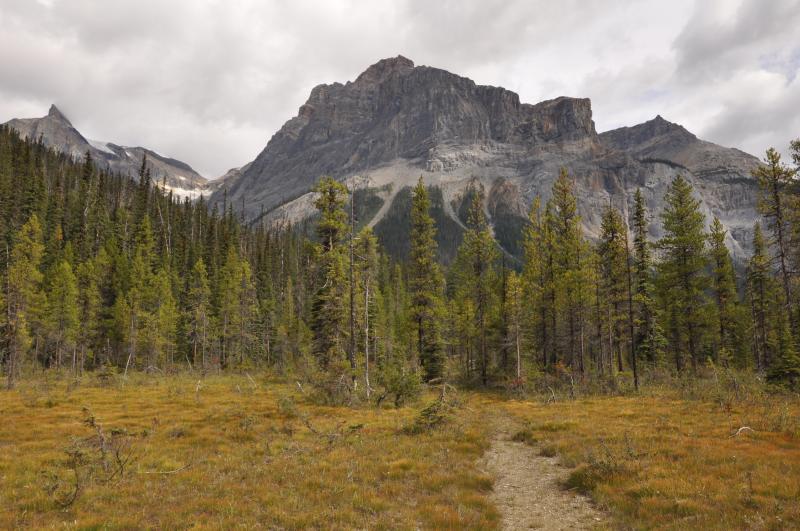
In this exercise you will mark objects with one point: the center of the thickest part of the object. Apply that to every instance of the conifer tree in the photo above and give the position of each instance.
(648, 339)
(24, 297)
(613, 271)
(538, 282)
(570, 269)
(515, 305)
(775, 180)
(367, 255)
(327, 319)
(165, 318)
(134, 312)
(770, 332)
(683, 271)
(724, 289)
(425, 286)
(229, 317)
(90, 305)
(475, 261)
(62, 311)
(199, 314)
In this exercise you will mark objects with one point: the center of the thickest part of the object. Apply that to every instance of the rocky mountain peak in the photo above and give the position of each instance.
(647, 135)
(384, 68)
(56, 113)
(57, 132)
(398, 121)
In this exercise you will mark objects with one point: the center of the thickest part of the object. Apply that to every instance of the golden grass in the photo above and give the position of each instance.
(660, 462)
(248, 460)
(237, 453)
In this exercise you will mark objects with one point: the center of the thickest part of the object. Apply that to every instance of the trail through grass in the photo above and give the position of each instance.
(230, 451)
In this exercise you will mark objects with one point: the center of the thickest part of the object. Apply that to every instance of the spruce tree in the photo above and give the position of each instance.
(229, 318)
(366, 252)
(476, 258)
(62, 311)
(724, 289)
(613, 281)
(90, 306)
(199, 315)
(425, 286)
(327, 308)
(570, 269)
(648, 340)
(775, 180)
(768, 312)
(538, 282)
(515, 305)
(683, 271)
(24, 299)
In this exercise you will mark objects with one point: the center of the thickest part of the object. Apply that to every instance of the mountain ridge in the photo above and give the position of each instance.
(396, 122)
(56, 131)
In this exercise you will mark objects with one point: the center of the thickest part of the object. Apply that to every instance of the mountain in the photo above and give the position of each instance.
(57, 132)
(397, 122)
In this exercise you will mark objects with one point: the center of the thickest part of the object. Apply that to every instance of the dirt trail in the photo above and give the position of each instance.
(528, 493)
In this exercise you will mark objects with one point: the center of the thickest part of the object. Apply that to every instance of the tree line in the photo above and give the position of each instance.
(105, 272)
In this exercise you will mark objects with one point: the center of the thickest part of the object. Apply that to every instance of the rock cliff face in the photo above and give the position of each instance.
(57, 132)
(396, 122)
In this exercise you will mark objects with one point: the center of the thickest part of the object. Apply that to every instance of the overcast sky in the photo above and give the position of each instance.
(209, 82)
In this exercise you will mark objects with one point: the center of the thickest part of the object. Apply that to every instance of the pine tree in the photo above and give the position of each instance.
(682, 270)
(570, 256)
(199, 314)
(475, 262)
(24, 298)
(775, 180)
(515, 305)
(248, 317)
(648, 340)
(229, 318)
(62, 311)
(538, 280)
(90, 305)
(425, 286)
(327, 320)
(165, 313)
(724, 289)
(367, 255)
(613, 281)
(133, 309)
(774, 348)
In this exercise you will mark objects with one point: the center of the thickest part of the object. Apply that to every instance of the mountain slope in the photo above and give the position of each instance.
(57, 132)
(398, 121)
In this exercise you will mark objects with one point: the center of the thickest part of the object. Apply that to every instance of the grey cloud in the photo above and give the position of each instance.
(210, 82)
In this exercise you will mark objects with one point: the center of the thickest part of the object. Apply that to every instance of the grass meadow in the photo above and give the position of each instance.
(241, 451)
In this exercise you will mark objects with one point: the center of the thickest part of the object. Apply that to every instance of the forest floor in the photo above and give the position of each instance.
(232, 451)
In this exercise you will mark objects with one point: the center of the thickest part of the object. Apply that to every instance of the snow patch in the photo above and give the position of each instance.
(185, 193)
(101, 146)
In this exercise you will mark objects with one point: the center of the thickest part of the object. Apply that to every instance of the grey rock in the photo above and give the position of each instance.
(57, 132)
(398, 121)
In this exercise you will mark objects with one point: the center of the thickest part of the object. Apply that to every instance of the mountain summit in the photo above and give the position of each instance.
(398, 121)
(57, 132)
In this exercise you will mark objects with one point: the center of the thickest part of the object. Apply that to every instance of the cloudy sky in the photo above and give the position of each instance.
(210, 81)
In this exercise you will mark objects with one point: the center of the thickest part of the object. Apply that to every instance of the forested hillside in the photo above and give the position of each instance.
(104, 273)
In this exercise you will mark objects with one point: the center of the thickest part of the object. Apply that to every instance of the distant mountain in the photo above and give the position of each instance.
(57, 132)
(398, 121)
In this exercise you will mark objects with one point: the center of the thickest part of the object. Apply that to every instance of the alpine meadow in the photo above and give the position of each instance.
(424, 304)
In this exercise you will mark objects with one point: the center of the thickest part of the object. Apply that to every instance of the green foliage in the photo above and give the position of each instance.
(475, 279)
(399, 384)
(328, 315)
(682, 274)
(425, 286)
